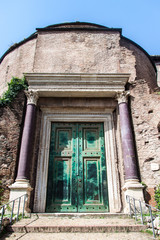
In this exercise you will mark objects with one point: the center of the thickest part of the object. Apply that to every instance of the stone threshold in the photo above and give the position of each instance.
(81, 215)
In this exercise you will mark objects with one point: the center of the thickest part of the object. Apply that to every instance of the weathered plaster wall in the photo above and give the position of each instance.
(16, 63)
(77, 52)
(11, 121)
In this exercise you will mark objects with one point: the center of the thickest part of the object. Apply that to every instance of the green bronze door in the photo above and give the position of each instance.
(77, 180)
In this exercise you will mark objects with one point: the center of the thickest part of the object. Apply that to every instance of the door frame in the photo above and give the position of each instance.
(49, 116)
(77, 155)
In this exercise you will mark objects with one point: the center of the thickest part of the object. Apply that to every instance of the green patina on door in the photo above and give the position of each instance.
(77, 178)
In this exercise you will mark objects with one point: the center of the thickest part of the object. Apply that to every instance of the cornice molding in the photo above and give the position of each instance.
(77, 85)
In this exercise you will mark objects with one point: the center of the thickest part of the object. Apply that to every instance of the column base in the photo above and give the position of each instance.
(19, 188)
(133, 188)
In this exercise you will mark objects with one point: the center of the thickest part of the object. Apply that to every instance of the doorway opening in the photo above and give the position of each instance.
(77, 176)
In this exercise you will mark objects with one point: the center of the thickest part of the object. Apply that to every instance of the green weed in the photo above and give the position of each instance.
(14, 87)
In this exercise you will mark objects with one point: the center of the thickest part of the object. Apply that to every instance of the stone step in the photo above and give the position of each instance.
(75, 229)
(74, 225)
(82, 215)
(78, 236)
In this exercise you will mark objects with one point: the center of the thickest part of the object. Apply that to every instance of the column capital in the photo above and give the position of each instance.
(32, 97)
(122, 97)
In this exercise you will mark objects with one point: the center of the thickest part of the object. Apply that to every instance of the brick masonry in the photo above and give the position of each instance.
(11, 122)
(145, 107)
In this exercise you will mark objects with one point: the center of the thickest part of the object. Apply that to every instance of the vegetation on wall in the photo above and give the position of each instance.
(14, 87)
(1, 192)
(157, 196)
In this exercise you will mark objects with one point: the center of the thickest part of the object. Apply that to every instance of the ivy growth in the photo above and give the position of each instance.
(157, 196)
(14, 87)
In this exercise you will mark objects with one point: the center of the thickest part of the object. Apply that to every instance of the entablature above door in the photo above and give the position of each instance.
(77, 85)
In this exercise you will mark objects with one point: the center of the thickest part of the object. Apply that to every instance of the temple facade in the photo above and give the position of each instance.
(87, 132)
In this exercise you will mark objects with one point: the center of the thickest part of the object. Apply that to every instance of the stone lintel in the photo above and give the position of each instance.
(77, 85)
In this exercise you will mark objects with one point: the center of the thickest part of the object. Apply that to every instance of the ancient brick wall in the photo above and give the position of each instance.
(135, 58)
(11, 123)
(145, 108)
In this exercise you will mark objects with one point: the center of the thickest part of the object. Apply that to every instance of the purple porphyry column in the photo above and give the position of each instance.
(27, 136)
(129, 156)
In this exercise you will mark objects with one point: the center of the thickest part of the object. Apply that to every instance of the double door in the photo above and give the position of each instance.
(77, 180)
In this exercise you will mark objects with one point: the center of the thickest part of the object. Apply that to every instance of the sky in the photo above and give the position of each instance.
(139, 19)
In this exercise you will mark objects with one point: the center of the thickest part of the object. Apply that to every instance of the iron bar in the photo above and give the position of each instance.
(13, 202)
(2, 216)
(141, 212)
(130, 207)
(24, 205)
(19, 202)
(150, 211)
(12, 211)
(134, 208)
(128, 198)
